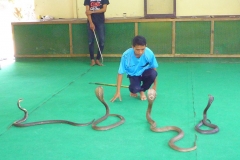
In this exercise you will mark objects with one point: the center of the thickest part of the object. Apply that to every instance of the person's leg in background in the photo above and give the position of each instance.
(91, 45)
(100, 28)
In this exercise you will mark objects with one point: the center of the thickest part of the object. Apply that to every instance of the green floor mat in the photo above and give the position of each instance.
(61, 89)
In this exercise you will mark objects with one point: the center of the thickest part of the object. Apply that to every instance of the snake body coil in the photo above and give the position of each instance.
(214, 127)
(99, 95)
(20, 123)
(151, 97)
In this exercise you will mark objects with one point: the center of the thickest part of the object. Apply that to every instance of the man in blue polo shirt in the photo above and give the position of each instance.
(139, 63)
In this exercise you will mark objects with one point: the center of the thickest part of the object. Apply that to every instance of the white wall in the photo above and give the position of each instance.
(207, 7)
(135, 8)
(76, 9)
(55, 8)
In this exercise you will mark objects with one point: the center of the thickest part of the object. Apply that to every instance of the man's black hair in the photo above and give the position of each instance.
(139, 40)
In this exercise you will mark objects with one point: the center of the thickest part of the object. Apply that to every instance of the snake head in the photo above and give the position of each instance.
(99, 93)
(19, 106)
(151, 95)
(211, 98)
(19, 100)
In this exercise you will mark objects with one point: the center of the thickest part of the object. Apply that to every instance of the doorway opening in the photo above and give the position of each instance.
(12, 11)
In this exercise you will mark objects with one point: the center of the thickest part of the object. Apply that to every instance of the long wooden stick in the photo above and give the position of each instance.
(105, 84)
(98, 46)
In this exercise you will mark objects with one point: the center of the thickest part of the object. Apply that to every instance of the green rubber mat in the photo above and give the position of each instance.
(61, 89)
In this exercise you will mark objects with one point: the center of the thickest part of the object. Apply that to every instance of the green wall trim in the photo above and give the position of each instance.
(42, 39)
(193, 37)
(79, 38)
(158, 35)
(167, 38)
(227, 37)
(118, 37)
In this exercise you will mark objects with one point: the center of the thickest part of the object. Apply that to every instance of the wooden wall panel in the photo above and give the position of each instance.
(42, 39)
(158, 35)
(193, 37)
(227, 37)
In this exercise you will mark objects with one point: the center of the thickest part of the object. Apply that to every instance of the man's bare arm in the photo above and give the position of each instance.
(88, 15)
(92, 26)
(118, 93)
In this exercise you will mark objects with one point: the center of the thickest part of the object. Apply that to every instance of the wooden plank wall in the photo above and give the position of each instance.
(195, 37)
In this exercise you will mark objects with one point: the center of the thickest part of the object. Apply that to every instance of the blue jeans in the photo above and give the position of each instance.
(100, 33)
(143, 82)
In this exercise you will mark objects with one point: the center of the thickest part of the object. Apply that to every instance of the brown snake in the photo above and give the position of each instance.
(20, 123)
(151, 97)
(99, 94)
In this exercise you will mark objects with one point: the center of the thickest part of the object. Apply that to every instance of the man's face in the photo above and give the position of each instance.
(138, 50)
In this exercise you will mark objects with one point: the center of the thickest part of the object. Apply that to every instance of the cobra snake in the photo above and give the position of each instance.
(99, 94)
(204, 121)
(20, 123)
(151, 97)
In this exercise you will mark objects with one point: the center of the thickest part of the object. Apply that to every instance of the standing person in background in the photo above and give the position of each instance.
(95, 10)
(139, 63)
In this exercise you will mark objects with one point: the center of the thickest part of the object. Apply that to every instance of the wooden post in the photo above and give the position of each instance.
(70, 39)
(212, 38)
(173, 37)
(136, 28)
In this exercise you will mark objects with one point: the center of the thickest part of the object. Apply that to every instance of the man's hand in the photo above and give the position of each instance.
(92, 26)
(88, 12)
(154, 87)
(117, 95)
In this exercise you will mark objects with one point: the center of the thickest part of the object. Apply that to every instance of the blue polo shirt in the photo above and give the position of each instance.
(134, 66)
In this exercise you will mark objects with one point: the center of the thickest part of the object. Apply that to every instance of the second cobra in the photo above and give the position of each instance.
(151, 97)
(99, 94)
